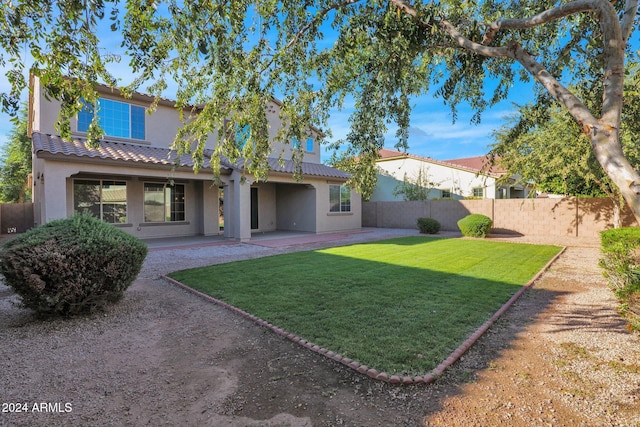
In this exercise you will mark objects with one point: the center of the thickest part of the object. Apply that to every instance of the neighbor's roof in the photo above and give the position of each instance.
(472, 164)
(477, 163)
(148, 155)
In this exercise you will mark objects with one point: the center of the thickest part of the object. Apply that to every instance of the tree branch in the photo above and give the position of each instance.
(556, 13)
(457, 37)
(318, 16)
(563, 95)
(630, 10)
(613, 48)
(304, 29)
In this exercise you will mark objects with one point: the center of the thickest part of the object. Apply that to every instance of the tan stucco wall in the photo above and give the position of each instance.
(266, 207)
(278, 148)
(532, 217)
(329, 221)
(58, 202)
(160, 127)
(297, 207)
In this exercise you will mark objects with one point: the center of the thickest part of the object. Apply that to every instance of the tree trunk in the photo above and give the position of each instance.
(606, 146)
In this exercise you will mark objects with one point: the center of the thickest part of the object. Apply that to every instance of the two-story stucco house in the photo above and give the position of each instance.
(448, 179)
(131, 179)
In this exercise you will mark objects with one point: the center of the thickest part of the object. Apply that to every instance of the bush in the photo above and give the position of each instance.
(72, 265)
(475, 225)
(428, 225)
(620, 263)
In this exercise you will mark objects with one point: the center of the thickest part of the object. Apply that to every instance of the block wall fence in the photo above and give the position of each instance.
(571, 216)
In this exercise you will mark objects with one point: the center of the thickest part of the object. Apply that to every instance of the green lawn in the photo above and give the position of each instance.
(399, 306)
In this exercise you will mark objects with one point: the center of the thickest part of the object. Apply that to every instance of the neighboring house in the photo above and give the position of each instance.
(134, 180)
(449, 179)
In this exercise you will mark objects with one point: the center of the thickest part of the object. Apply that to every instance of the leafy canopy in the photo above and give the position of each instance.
(544, 145)
(15, 163)
(231, 57)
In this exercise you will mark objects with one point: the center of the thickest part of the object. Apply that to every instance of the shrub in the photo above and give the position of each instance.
(620, 263)
(428, 225)
(72, 265)
(475, 225)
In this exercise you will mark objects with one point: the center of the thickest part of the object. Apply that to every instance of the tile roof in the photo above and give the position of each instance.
(473, 164)
(135, 153)
(314, 169)
(310, 169)
(146, 154)
(476, 162)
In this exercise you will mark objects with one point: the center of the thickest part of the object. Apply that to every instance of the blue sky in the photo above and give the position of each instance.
(432, 132)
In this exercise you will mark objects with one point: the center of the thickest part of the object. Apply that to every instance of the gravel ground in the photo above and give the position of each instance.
(559, 356)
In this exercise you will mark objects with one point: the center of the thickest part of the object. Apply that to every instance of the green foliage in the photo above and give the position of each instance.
(415, 189)
(15, 163)
(71, 266)
(232, 57)
(620, 263)
(360, 181)
(399, 306)
(475, 225)
(543, 144)
(621, 260)
(428, 225)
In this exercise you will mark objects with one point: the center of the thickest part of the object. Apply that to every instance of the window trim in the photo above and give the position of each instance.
(166, 185)
(101, 182)
(481, 191)
(340, 204)
(131, 106)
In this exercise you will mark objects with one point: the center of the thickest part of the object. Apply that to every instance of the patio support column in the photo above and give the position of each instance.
(53, 182)
(241, 202)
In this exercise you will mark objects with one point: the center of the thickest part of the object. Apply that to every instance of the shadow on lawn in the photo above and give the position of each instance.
(386, 308)
(334, 394)
(268, 374)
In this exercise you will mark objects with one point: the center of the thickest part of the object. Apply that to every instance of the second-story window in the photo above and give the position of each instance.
(118, 119)
(310, 145)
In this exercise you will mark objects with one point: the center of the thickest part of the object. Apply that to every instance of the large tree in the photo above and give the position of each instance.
(232, 56)
(544, 145)
(551, 153)
(15, 164)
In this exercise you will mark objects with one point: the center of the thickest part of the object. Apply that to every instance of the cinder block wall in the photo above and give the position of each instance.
(570, 216)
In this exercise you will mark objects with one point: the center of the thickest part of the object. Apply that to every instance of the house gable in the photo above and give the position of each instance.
(154, 192)
(456, 178)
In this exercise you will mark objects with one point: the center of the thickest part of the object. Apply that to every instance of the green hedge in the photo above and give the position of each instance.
(428, 225)
(475, 225)
(620, 263)
(72, 265)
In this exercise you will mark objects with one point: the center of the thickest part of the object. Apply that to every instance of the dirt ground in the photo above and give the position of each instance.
(559, 356)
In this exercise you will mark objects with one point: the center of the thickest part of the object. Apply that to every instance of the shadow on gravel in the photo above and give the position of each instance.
(284, 377)
(149, 360)
(589, 317)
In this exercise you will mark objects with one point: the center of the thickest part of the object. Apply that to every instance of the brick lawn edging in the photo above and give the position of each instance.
(363, 369)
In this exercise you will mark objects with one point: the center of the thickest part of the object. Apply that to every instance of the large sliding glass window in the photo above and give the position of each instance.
(163, 203)
(118, 119)
(103, 199)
